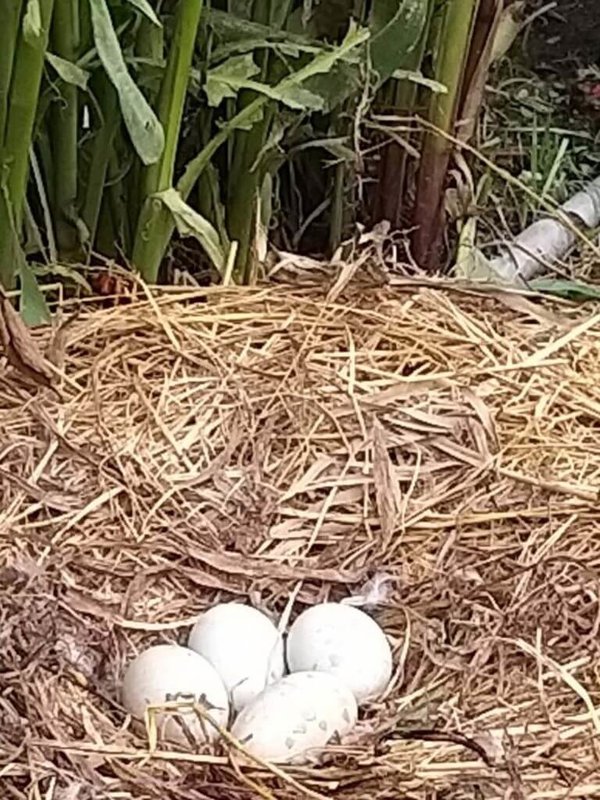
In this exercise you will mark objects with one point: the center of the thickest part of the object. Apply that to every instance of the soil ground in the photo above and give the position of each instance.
(570, 32)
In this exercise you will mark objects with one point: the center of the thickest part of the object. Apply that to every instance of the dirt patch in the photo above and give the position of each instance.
(569, 33)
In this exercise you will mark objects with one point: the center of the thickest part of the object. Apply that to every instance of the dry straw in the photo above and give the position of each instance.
(254, 443)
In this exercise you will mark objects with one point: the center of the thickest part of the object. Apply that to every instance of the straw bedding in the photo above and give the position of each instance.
(433, 452)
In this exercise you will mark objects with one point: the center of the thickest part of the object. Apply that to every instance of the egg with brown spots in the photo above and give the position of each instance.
(344, 641)
(294, 719)
(168, 673)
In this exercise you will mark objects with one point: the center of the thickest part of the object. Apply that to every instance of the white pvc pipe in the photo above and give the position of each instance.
(547, 240)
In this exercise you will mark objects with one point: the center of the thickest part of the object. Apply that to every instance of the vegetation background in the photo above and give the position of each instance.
(130, 128)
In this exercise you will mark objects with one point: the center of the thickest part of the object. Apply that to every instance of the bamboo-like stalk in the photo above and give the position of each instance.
(477, 70)
(336, 224)
(65, 36)
(28, 65)
(244, 184)
(149, 44)
(102, 150)
(245, 178)
(9, 35)
(147, 250)
(454, 37)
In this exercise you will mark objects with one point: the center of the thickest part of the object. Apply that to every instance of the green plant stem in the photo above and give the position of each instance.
(336, 225)
(279, 13)
(147, 251)
(453, 36)
(64, 130)
(28, 66)
(245, 180)
(9, 35)
(102, 149)
(246, 173)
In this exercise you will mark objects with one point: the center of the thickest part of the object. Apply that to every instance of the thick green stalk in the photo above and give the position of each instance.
(149, 45)
(102, 149)
(244, 183)
(112, 233)
(118, 192)
(336, 224)
(28, 65)
(246, 176)
(477, 69)
(65, 37)
(147, 250)
(260, 11)
(106, 234)
(9, 35)
(450, 59)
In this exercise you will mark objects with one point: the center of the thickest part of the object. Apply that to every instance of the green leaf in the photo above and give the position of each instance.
(421, 80)
(32, 303)
(234, 27)
(249, 120)
(335, 73)
(240, 8)
(324, 61)
(190, 223)
(569, 290)
(322, 64)
(324, 89)
(471, 264)
(147, 10)
(396, 30)
(32, 22)
(65, 272)
(287, 49)
(224, 81)
(142, 124)
(295, 97)
(343, 80)
(233, 34)
(335, 146)
(69, 72)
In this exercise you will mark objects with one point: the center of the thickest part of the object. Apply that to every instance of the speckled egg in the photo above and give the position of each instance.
(343, 641)
(292, 720)
(168, 672)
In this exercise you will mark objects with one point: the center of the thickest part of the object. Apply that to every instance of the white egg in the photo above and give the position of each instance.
(243, 646)
(293, 719)
(166, 673)
(344, 641)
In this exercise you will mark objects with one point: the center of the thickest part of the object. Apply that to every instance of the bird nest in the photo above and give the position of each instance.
(429, 452)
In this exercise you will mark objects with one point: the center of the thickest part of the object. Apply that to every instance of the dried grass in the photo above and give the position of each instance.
(252, 443)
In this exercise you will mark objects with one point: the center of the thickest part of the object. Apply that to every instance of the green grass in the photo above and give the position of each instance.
(530, 129)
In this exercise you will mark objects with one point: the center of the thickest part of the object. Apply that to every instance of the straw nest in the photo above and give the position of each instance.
(433, 452)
